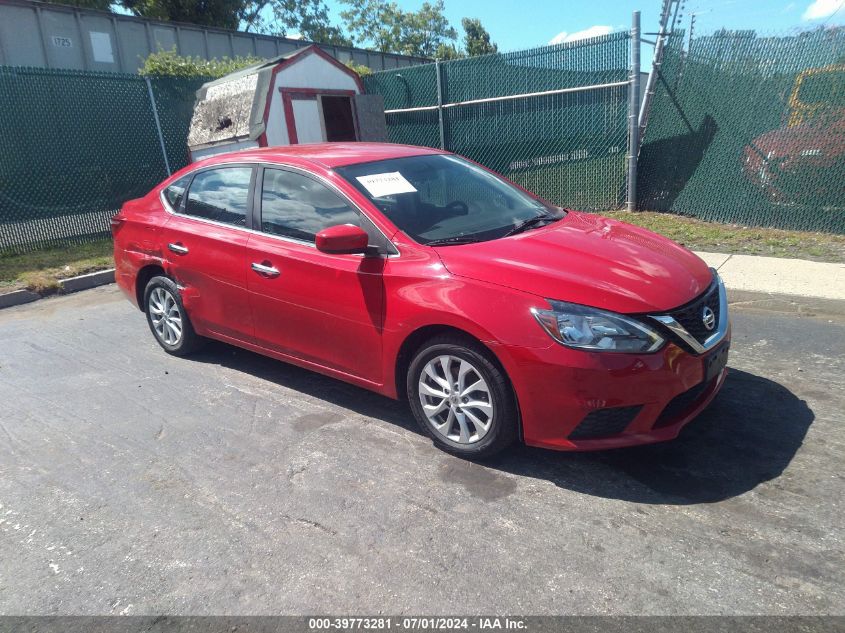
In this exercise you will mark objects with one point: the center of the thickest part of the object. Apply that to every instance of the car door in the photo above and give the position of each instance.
(204, 243)
(322, 308)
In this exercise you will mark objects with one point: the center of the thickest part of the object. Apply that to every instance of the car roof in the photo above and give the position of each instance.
(328, 155)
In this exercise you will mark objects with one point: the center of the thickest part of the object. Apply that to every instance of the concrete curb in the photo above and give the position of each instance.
(73, 284)
(91, 280)
(18, 297)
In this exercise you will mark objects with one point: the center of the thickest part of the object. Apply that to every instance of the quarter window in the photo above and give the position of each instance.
(299, 207)
(175, 192)
(221, 195)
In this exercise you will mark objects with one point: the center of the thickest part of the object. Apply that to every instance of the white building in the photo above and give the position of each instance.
(305, 96)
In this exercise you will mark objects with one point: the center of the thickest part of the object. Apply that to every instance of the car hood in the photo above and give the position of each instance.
(820, 143)
(590, 260)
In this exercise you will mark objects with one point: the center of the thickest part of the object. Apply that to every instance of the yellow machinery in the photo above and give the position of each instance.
(828, 82)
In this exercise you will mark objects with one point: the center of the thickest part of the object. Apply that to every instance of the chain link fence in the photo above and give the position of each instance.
(743, 129)
(749, 130)
(75, 145)
(552, 119)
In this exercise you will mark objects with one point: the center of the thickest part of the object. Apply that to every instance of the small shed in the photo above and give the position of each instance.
(305, 96)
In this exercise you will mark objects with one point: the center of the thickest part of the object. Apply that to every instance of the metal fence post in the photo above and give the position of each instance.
(158, 125)
(440, 104)
(634, 112)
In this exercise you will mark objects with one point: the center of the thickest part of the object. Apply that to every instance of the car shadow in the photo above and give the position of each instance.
(748, 435)
(309, 383)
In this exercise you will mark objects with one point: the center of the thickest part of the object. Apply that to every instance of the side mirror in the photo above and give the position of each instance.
(345, 239)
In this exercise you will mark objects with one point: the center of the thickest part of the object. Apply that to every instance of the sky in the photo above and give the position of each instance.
(518, 24)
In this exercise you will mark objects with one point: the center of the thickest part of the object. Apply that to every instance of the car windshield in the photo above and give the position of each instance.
(442, 199)
(824, 88)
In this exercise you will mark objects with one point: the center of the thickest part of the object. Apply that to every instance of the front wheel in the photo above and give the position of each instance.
(461, 398)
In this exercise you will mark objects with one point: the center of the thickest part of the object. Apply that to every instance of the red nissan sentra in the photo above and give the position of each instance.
(419, 274)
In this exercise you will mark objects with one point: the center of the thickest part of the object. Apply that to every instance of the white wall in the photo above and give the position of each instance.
(27, 32)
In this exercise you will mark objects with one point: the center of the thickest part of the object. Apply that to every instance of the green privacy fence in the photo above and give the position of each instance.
(568, 147)
(75, 145)
(750, 130)
(743, 129)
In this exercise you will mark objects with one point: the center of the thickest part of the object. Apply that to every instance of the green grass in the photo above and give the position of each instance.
(730, 238)
(40, 271)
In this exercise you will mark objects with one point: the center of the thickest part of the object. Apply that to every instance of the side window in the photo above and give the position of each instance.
(296, 206)
(175, 192)
(221, 195)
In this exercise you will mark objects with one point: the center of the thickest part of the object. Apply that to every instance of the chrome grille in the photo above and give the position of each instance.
(691, 315)
(687, 325)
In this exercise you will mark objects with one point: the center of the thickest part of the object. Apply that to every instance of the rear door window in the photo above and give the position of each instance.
(176, 192)
(221, 195)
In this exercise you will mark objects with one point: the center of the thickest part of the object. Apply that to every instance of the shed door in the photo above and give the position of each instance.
(306, 119)
(315, 116)
(338, 118)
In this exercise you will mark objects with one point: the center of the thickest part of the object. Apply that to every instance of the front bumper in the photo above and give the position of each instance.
(635, 399)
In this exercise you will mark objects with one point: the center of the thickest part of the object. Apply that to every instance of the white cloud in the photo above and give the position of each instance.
(822, 9)
(593, 31)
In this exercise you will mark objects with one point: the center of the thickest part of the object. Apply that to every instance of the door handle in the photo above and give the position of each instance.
(267, 271)
(177, 248)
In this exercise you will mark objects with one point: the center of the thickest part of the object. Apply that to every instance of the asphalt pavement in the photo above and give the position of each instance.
(132, 482)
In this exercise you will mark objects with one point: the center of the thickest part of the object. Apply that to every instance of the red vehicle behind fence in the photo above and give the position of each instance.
(805, 160)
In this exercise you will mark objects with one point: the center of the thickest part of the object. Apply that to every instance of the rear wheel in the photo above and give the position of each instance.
(461, 398)
(167, 318)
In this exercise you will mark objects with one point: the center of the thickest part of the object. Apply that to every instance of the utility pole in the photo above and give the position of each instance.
(685, 53)
(691, 30)
(659, 45)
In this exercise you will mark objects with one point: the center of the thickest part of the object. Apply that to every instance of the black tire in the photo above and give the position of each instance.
(188, 342)
(504, 427)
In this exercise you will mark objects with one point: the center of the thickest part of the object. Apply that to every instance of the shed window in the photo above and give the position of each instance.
(221, 195)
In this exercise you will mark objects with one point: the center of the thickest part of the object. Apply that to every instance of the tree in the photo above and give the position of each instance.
(425, 30)
(375, 22)
(477, 39)
(386, 27)
(309, 18)
(171, 64)
(446, 52)
(362, 70)
(102, 5)
(225, 14)
(252, 17)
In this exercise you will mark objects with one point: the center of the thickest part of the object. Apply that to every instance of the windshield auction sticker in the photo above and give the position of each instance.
(387, 184)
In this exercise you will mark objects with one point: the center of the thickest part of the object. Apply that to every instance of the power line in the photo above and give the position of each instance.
(830, 17)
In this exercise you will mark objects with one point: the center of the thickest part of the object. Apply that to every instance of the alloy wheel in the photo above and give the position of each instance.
(165, 315)
(456, 399)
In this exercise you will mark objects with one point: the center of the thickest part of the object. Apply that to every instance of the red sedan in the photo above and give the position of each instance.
(419, 274)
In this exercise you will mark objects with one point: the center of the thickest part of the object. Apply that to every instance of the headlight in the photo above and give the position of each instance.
(587, 328)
